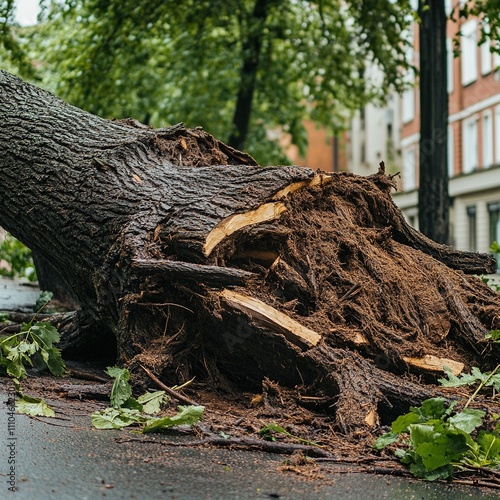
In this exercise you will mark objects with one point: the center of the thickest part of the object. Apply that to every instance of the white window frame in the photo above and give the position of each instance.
(486, 65)
(410, 169)
(469, 52)
(470, 145)
(497, 135)
(487, 138)
(448, 6)
(451, 152)
(408, 105)
(449, 60)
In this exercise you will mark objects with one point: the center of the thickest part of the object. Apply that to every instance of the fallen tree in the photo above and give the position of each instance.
(190, 258)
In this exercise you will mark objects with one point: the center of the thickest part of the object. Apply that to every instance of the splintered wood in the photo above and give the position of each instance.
(271, 318)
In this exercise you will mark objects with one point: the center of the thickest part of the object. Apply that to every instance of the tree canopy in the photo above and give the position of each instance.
(240, 69)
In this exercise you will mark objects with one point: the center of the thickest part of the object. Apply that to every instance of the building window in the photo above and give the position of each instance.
(485, 53)
(497, 134)
(449, 55)
(472, 228)
(494, 214)
(451, 152)
(487, 139)
(409, 177)
(408, 105)
(470, 150)
(469, 52)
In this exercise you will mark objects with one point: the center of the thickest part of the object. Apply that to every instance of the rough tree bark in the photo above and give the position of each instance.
(197, 260)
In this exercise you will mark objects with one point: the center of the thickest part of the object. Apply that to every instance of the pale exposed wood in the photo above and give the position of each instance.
(317, 180)
(229, 225)
(371, 418)
(263, 314)
(435, 364)
(264, 213)
(360, 339)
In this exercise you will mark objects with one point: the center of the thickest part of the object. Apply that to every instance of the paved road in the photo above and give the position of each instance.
(76, 462)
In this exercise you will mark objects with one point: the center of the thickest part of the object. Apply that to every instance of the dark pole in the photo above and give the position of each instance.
(433, 200)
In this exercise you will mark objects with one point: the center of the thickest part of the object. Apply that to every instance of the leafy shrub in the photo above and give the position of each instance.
(18, 259)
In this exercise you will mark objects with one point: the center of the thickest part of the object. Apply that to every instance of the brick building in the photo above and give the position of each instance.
(473, 139)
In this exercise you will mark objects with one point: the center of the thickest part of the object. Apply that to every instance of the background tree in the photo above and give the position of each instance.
(241, 69)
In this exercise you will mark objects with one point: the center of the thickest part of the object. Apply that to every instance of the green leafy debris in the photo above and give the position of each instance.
(34, 407)
(121, 390)
(487, 379)
(29, 405)
(187, 415)
(433, 439)
(43, 299)
(116, 418)
(151, 401)
(32, 346)
(127, 411)
(493, 335)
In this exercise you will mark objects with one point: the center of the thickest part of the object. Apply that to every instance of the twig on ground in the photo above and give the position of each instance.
(175, 394)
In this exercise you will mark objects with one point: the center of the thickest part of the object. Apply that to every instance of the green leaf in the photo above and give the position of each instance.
(187, 415)
(454, 381)
(489, 444)
(55, 363)
(437, 444)
(151, 401)
(467, 420)
(385, 439)
(132, 404)
(272, 428)
(43, 299)
(116, 418)
(121, 390)
(493, 335)
(47, 333)
(402, 423)
(33, 406)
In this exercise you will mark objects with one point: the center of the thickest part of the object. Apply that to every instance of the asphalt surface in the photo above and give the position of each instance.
(67, 459)
(76, 462)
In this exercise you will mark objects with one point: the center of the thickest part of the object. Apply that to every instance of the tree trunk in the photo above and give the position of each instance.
(251, 50)
(433, 199)
(198, 261)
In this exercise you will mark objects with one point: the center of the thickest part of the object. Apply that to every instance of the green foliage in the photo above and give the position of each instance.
(127, 411)
(32, 346)
(485, 379)
(495, 247)
(493, 336)
(18, 259)
(187, 415)
(434, 440)
(164, 62)
(121, 390)
(44, 297)
(29, 405)
(34, 407)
